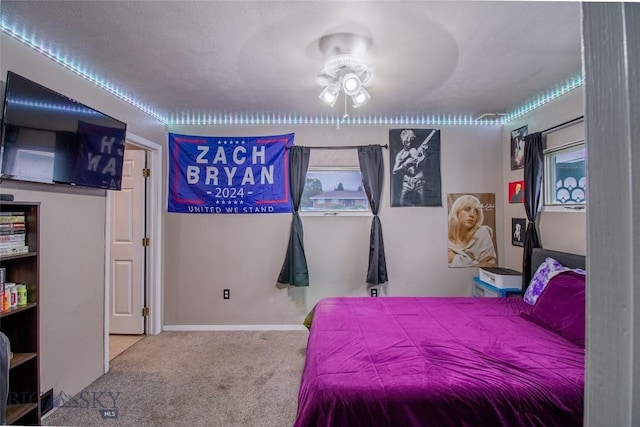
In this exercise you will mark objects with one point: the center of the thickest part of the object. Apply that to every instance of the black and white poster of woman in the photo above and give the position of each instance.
(414, 158)
(472, 224)
(517, 147)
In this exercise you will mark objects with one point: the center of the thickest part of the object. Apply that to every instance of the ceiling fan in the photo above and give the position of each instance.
(344, 68)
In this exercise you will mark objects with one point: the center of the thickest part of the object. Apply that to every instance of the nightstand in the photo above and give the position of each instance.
(482, 289)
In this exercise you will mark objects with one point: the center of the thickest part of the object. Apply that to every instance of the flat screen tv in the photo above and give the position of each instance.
(50, 138)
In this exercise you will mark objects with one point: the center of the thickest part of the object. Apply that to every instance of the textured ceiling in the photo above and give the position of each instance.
(209, 58)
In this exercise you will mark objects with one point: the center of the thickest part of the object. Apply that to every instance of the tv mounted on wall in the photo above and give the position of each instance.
(50, 138)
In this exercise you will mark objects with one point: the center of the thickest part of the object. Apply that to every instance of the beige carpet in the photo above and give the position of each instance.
(194, 379)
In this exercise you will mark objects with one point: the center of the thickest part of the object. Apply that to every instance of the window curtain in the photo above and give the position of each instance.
(294, 270)
(533, 167)
(372, 168)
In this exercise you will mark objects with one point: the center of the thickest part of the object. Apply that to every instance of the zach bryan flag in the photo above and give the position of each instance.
(226, 175)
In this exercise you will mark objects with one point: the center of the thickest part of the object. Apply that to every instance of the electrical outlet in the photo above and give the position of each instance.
(46, 401)
(374, 292)
(225, 294)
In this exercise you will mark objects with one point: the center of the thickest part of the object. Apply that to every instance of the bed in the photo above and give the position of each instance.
(435, 361)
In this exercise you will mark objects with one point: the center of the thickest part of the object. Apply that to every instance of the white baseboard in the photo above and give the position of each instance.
(45, 416)
(234, 328)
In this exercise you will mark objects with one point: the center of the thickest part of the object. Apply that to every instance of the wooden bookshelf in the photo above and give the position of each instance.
(12, 311)
(21, 324)
(20, 358)
(16, 412)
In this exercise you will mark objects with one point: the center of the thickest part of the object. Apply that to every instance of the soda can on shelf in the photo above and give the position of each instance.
(6, 301)
(13, 295)
(22, 294)
(7, 295)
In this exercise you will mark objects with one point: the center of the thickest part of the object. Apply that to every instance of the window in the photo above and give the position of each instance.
(565, 179)
(332, 191)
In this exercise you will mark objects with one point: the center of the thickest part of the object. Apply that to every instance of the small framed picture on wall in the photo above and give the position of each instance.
(516, 192)
(517, 148)
(517, 231)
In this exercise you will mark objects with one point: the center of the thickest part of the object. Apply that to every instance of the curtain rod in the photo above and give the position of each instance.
(556, 127)
(343, 147)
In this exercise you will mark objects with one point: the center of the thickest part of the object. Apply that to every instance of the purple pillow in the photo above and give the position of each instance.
(540, 279)
(561, 306)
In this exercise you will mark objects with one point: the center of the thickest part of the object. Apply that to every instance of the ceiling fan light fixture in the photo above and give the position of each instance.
(360, 98)
(330, 94)
(351, 84)
(346, 72)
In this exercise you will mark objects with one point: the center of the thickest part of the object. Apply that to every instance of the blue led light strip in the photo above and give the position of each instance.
(55, 107)
(293, 119)
(566, 86)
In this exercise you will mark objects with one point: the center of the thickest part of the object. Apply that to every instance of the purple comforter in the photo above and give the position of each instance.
(399, 361)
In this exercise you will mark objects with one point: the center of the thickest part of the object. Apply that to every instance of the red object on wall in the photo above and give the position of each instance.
(516, 192)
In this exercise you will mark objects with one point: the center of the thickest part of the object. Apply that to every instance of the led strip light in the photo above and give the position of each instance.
(563, 88)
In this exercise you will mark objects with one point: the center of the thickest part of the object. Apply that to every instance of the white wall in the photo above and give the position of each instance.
(71, 270)
(72, 235)
(611, 50)
(245, 252)
(561, 231)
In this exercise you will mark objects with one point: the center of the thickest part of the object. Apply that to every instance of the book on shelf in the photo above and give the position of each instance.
(5, 238)
(14, 250)
(11, 227)
(11, 218)
(12, 244)
(3, 279)
(13, 233)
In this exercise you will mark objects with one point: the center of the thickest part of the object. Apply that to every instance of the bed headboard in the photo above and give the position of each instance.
(567, 259)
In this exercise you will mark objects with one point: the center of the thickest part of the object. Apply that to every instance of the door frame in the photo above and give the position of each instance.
(153, 291)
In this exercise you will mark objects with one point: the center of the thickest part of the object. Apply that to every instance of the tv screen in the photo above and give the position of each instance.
(48, 137)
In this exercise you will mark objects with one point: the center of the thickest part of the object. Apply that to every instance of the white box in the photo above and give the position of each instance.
(503, 278)
(480, 292)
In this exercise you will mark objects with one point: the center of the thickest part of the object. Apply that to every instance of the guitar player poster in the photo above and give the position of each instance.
(414, 159)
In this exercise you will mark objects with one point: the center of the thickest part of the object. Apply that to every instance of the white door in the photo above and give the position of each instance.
(127, 252)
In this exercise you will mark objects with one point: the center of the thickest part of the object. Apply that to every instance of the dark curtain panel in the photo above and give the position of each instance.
(533, 167)
(372, 168)
(294, 270)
